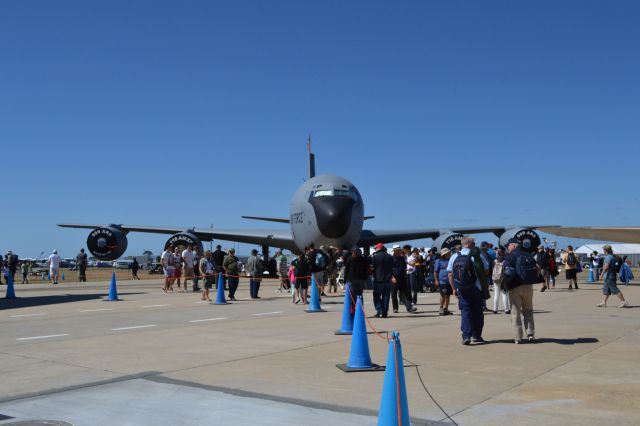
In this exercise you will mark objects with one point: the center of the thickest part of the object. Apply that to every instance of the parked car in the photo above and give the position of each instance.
(156, 268)
(122, 264)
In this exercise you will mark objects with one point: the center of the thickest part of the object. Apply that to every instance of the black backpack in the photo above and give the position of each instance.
(572, 260)
(526, 268)
(464, 274)
(619, 263)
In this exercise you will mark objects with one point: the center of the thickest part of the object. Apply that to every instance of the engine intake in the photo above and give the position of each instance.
(184, 239)
(529, 239)
(449, 241)
(107, 243)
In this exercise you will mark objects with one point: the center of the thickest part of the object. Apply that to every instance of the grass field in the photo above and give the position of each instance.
(93, 275)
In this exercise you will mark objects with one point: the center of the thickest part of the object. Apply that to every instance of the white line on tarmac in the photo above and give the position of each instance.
(131, 328)
(268, 313)
(42, 337)
(201, 302)
(156, 306)
(208, 319)
(96, 310)
(26, 315)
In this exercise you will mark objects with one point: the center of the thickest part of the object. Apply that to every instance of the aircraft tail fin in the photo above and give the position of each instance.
(312, 160)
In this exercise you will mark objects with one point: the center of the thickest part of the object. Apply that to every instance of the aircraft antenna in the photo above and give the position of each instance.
(312, 160)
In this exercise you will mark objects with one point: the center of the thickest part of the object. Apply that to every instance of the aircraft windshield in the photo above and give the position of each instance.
(335, 193)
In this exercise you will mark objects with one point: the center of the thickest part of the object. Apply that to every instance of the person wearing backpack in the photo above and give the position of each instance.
(318, 265)
(609, 285)
(500, 288)
(466, 287)
(570, 262)
(521, 272)
(543, 261)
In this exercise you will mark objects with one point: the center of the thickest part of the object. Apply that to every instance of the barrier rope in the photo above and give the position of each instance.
(375, 331)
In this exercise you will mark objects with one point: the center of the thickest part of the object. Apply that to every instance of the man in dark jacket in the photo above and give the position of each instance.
(356, 270)
(382, 264)
(217, 258)
(399, 284)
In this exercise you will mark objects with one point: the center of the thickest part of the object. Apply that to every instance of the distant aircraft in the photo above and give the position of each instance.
(325, 210)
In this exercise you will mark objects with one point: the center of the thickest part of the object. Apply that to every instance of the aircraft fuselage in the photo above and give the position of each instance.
(326, 210)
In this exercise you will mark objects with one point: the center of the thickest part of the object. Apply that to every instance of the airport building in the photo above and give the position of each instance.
(632, 251)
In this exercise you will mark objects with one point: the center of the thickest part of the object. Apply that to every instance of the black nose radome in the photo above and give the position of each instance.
(333, 215)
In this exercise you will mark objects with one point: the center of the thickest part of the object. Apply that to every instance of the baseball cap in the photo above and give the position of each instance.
(379, 246)
(513, 241)
(445, 251)
(484, 244)
(396, 247)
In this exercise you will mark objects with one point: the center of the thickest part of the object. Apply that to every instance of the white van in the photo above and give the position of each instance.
(122, 264)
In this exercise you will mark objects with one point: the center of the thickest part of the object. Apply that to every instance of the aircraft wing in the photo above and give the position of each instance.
(269, 237)
(604, 233)
(370, 237)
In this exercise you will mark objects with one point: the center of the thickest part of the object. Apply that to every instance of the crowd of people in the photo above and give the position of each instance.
(468, 272)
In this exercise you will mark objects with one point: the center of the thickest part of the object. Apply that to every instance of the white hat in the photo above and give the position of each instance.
(55, 252)
(396, 247)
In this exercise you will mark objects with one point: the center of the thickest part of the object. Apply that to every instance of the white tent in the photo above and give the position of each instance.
(632, 251)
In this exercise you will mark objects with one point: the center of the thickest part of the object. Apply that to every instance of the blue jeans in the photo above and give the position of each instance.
(470, 305)
(381, 297)
(233, 286)
(254, 286)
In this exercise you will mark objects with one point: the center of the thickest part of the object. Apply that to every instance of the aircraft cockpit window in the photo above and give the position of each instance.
(323, 193)
(345, 193)
(335, 193)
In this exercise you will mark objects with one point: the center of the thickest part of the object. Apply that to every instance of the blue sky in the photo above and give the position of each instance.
(194, 113)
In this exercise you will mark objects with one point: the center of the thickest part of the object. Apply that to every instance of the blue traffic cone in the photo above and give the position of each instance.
(314, 303)
(113, 291)
(62, 276)
(394, 389)
(11, 294)
(591, 278)
(347, 318)
(359, 356)
(220, 300)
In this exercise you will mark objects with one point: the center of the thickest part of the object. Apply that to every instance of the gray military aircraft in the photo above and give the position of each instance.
(325, 210)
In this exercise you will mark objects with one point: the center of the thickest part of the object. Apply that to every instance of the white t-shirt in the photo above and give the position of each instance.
(187, 256)
(54, 261)
(165, 258)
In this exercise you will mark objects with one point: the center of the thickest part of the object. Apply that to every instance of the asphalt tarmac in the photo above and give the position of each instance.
(169, 359)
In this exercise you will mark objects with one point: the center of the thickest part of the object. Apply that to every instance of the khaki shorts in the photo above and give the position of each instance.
(187, 272)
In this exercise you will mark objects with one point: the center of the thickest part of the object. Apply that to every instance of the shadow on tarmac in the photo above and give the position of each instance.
(25, 302)
(548, 340)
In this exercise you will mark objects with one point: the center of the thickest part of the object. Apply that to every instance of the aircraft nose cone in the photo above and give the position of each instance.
(333, 215)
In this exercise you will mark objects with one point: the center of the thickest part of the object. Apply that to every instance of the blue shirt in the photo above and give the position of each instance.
(611, 272)
(441, 271)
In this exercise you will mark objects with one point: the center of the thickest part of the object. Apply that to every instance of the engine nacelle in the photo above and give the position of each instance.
(107, 243)
(449, 241)
(184, 239)
(529, 239)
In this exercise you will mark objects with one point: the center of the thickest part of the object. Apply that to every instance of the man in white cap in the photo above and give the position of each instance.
(54, 266)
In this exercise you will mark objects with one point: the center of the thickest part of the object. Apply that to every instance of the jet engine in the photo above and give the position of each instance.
(108, 243)
(184, 239)
(529, 239)
(449, 240)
